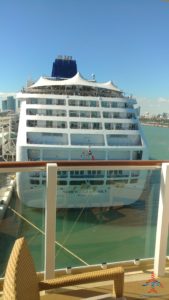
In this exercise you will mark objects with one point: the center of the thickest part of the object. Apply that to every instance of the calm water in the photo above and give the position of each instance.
(92, 236)
(158, 142)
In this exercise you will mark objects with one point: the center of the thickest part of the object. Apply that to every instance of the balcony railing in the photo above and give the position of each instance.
(105, 232)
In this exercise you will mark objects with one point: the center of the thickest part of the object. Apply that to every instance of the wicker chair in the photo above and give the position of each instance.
(21, 282)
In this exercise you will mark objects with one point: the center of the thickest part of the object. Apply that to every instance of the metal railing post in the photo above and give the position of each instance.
(162, 223)
(50, 220)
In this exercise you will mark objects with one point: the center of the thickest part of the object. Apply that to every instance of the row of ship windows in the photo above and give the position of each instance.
(81, 182)
(81, 114)
(82, 125)
(89, 173)
(83, 103)
(73, 173)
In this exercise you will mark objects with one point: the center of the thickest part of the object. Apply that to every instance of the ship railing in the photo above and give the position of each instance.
(52, 167)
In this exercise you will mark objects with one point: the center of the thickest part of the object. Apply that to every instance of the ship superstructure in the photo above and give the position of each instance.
(72, 119)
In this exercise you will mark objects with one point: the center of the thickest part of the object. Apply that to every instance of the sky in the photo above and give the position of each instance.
(126, 41)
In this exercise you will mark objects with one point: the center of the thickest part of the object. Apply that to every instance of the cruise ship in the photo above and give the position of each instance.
(67, 117)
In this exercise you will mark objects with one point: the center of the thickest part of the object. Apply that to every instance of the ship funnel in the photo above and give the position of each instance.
(64, 67)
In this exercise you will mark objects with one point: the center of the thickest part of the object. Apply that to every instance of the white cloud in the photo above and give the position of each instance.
(7, 94)
(153, 106)
(163, 100)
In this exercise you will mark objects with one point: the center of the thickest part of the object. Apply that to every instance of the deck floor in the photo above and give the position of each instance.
(138, 285)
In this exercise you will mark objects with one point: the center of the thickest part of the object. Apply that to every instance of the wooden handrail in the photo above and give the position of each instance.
(85, 163)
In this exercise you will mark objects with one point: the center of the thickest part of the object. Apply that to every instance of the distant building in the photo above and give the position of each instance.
(9, 103)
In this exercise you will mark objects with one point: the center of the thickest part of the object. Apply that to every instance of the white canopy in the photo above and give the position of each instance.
(75, 80)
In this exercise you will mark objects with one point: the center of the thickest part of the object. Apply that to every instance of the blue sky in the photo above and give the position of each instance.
(126, 41)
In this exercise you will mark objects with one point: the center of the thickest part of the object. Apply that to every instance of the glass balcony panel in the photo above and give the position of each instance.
(21, 220)
(100, 218)
(106, 219)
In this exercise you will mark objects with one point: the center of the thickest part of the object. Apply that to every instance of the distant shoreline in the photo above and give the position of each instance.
(154, 124)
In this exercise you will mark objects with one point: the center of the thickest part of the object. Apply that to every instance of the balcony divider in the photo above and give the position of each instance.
(162, 223)
(50, 220)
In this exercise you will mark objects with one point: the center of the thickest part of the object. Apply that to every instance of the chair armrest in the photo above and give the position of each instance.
(116, 274)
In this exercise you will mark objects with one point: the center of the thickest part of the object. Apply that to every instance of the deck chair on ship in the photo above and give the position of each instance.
(21, 281)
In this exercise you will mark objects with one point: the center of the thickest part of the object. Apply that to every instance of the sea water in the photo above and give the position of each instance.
(93, 236)
(158, 142)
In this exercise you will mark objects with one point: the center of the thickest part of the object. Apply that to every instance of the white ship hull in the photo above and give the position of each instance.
(84, 195)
